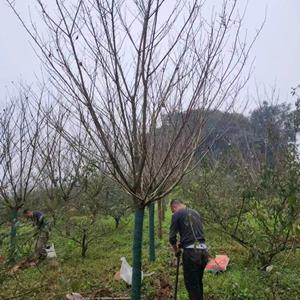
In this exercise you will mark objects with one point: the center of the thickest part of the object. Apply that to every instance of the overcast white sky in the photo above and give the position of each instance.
(277, 51)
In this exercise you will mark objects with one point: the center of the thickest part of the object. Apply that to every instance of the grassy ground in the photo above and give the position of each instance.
(95, 274)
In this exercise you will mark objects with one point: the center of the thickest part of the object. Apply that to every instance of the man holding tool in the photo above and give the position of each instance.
(188, 223)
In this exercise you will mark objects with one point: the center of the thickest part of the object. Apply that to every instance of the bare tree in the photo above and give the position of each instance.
(124, 67)
(60, 164)
(96, 196)
(20, 125)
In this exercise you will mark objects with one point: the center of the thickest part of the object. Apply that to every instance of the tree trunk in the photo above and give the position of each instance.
(137, 253)
(84, 244)
(151, 232)
(159, 218)
(163, 209)
(13, 234)
(117, 222)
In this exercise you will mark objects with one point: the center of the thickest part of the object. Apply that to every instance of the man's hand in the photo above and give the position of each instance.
(178, 253)
(177, 250)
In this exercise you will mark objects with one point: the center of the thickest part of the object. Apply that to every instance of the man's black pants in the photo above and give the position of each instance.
(194, 262)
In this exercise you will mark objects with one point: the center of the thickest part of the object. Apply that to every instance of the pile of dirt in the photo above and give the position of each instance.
(27, 263)
(164, 291)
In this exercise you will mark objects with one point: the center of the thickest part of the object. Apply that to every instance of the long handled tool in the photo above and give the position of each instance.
(177, 274)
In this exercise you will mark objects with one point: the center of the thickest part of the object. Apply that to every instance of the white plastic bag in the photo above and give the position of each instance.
(126, 271)
(50, 251)
(74, 296)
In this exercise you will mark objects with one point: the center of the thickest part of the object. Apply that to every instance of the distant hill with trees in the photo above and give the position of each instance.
(268, 129)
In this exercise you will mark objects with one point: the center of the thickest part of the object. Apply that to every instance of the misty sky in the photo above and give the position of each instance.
(276, 53)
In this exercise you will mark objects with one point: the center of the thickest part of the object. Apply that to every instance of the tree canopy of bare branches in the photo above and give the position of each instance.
(123, 66)
(20, 126)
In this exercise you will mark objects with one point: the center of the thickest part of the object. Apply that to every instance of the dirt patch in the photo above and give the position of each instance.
(164, 291)
(24, 264)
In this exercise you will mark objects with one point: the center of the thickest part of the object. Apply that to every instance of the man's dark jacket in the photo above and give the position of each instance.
(188, 223)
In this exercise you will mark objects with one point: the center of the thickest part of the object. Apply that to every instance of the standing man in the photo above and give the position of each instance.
(188, 223)
(42, 233)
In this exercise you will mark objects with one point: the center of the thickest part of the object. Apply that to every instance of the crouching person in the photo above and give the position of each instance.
(42, 234)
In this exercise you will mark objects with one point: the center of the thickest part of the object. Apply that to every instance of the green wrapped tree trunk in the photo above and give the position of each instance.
(137, 253)
(151, 232)
(13, 234)
(159, 219)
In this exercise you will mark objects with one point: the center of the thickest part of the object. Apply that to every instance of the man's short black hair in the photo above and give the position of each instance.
(26, 210)
(175, 202)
